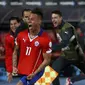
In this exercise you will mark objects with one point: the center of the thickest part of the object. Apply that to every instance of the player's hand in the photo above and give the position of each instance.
(9, 77)
(15, 70)
(29, 77)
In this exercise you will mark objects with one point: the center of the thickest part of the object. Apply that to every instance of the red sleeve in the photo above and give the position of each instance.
(47, 45)
(8, 53)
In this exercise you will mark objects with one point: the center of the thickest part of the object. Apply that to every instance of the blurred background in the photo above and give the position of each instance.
(73, 11)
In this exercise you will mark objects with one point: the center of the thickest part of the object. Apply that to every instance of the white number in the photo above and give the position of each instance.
(28, 50)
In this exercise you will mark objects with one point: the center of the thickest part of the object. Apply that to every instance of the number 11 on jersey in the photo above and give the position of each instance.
(28, 50)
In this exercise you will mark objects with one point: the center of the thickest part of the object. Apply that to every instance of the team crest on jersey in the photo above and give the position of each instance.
(36, 43)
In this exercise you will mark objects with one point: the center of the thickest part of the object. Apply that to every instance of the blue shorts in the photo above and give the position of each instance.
(33, 80)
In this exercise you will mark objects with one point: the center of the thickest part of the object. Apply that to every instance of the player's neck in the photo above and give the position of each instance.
(34, 32)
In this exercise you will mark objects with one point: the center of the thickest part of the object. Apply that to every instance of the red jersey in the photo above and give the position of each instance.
(9, 48)
(31, 51)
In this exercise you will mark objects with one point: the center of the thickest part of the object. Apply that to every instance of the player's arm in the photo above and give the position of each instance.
(47, 54)
(47, 59)
(8, 56)
(46, 50)
(15, 58)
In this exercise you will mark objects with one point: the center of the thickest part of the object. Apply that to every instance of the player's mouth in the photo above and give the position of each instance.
(30, 25)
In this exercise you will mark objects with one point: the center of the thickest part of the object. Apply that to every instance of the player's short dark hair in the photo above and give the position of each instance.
(57, 12)
(38, 11)
(15, 18)
(24, 11)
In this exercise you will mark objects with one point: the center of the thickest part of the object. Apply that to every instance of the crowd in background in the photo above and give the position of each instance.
(23, 24)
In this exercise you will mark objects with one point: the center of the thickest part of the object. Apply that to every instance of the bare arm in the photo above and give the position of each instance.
(47, 59)
(56, 54)
(15, 56)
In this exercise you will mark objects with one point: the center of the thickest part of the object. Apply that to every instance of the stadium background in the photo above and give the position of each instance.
(73, 11)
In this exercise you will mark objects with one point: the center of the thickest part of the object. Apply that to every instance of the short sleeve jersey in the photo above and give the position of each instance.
(31, 51)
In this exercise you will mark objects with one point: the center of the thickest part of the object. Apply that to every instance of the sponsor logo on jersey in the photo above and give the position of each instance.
(24, 40)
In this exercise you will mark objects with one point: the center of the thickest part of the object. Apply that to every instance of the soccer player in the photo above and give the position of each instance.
(9, 45)
(67, 43)
(24, 21)
(35, 50)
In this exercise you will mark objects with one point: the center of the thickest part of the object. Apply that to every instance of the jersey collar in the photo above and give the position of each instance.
(41, 31)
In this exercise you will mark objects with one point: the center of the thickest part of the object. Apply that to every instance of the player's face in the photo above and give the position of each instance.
(26, 16)
(14, 24)
(56, 20)
(78, 31)
(34, 21)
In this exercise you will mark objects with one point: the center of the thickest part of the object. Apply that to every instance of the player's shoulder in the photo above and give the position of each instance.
(45, 38)
(23, 32)
(8, 34)
(9, 37)
(45, 35)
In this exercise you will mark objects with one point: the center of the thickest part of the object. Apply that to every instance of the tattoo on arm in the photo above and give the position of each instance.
(46, 61)
(15, 56)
